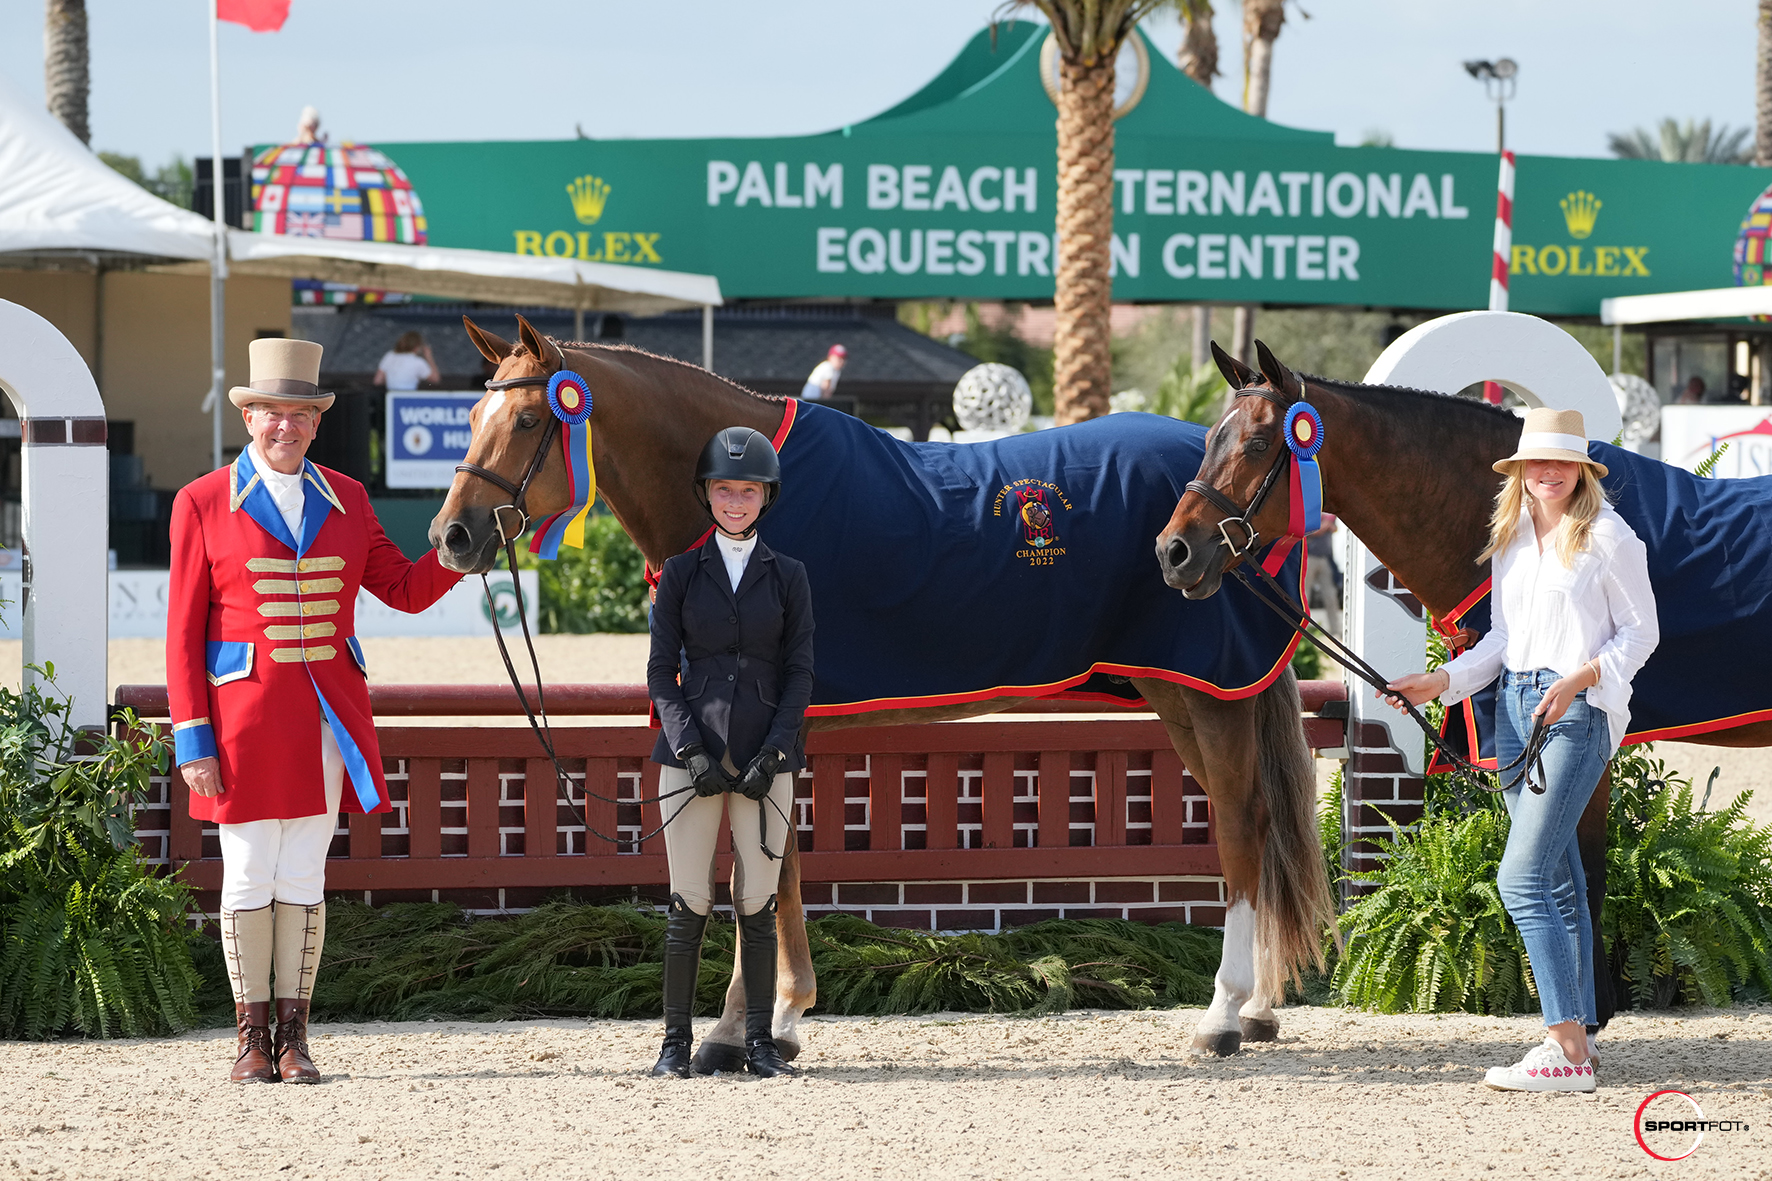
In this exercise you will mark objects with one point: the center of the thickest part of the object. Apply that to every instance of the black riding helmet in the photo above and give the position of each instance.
(739, 453)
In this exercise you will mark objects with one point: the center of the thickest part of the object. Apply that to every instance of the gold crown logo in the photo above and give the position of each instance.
(589, 194)
(1580, 209)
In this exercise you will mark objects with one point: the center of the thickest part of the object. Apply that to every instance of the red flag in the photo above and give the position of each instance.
(261, 16)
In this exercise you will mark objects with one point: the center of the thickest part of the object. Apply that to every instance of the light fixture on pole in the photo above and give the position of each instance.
(1499, 78)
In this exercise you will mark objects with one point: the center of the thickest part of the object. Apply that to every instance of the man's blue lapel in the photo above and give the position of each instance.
(318, 499)
(247, 491)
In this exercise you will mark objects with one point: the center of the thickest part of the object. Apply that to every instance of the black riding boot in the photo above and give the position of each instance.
(682, 967)
(756, 949)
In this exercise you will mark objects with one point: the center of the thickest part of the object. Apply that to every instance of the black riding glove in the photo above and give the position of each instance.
(759, 776)
(705, 774)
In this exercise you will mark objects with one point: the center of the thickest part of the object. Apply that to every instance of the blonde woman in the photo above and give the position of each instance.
(1573, 620)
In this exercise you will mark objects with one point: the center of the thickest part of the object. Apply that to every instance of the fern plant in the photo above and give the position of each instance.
(1689, 892)
(91, 940)
(1434, 935)
(1189, 393)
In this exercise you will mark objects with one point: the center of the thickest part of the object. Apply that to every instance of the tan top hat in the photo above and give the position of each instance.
(282, 371)
(1552, 434)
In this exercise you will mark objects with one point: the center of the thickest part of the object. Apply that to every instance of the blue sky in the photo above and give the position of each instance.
(536, 69)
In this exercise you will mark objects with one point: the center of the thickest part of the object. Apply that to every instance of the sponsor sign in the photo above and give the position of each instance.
(1689, 434)
(953, 193)
(138, 608)
(427, 435)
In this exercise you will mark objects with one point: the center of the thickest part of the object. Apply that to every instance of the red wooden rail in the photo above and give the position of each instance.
(1010, 797)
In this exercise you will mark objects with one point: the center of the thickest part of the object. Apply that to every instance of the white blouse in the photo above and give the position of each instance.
(1545, 615)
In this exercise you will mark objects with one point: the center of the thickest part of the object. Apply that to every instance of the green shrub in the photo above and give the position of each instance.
(417, 960)
(91, 940)
(600, 588)
(1434, 935)
(1688, 893)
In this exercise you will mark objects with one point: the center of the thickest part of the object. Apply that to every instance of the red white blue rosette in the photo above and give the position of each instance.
(569, 397)
(1304, 430)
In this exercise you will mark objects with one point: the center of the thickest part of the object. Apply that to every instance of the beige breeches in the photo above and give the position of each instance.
(692, 833)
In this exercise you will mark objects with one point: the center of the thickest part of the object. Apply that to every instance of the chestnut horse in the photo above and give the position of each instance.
(1409, 472)
(652, 415)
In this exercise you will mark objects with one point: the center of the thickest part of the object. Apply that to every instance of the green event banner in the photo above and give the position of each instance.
(953, 194)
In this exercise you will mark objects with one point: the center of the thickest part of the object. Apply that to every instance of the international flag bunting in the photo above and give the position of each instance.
(567, 527)
(261, 16)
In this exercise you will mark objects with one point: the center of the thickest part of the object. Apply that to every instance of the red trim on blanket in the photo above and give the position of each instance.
(1728, 723)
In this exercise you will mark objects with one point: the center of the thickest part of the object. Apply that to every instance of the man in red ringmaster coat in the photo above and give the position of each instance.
(271, 722)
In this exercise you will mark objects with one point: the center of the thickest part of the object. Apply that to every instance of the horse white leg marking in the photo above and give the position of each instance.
(1258, 1020)
(787, 1021)
(1221, 1030)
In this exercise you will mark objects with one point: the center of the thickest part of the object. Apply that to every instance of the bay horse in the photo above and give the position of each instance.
(1409, 472)
(652, 416)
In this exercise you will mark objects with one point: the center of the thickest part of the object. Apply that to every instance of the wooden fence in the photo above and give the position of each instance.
(946, 825)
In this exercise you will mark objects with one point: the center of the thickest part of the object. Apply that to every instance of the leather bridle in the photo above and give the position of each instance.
(519, 492)
(1244, 519)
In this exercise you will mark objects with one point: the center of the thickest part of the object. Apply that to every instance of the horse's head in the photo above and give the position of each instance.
(509, 427)
(1241, 452)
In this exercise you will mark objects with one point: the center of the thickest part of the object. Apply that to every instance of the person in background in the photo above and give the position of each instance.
(1693, 394)
(406, 364)
(821, 383)
(1574, 619)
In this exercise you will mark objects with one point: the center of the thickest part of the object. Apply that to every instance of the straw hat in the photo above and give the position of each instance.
(282, 371)
(1552, 434)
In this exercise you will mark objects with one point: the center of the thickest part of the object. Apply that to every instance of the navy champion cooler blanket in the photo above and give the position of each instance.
(1710, 564)
(952, 572)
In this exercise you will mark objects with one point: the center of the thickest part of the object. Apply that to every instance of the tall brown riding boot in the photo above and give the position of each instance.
(291, 1048)
(253, 1059)
(300, 934)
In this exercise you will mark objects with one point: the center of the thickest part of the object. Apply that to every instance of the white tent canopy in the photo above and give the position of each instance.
(1716, 303)
(58, 199)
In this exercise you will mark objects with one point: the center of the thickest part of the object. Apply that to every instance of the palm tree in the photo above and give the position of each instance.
(1763, 89)
(1682, 143)
(1198, 57)
(67, 78)
(1261, 28)
(1089, 34)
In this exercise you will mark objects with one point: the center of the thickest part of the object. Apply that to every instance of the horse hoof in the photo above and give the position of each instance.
(788, 1048)
(1260, 1030)
(1223, 1044)
(712, 1057)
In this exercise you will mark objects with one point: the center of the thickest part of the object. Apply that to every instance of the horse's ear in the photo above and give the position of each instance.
(1235, 372)
(539, 346)
(493, 348)
(1279, 378)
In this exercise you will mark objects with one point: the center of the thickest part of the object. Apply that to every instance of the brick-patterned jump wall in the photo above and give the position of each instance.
(948, 826)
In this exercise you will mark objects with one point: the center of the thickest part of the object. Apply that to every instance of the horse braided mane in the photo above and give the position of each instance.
(587, 346)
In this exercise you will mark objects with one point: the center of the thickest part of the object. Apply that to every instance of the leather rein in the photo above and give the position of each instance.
(1277, 599)
(538, 717)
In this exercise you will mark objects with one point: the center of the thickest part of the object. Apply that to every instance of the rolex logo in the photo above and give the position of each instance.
(1580, 209)
(589, 194)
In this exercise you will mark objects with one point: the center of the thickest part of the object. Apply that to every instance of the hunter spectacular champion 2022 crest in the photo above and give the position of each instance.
(1035, 505)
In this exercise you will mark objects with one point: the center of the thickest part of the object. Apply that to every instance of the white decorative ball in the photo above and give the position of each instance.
(1638, 404)
(992, 397)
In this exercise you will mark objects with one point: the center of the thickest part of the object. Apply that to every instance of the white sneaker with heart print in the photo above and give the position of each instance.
(1542, 1069)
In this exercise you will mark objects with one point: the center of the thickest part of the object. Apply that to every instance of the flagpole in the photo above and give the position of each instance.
(218, 269)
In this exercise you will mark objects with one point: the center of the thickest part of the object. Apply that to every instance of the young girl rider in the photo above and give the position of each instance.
(730, 676)
(1573, 621)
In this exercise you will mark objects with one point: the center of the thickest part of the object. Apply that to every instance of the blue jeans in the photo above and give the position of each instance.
(1541, 880)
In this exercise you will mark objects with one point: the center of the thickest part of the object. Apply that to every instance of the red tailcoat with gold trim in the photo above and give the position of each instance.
(261, 638)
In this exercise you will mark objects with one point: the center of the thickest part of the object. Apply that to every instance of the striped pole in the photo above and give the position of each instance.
(1502, 253)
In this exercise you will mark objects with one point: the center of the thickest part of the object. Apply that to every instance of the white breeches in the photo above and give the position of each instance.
(265, 861)
(692, 833)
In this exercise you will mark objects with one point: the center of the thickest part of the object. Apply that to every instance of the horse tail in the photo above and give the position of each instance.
(1294, 903)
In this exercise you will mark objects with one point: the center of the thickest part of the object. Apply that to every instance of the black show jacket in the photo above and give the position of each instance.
(745, 677)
